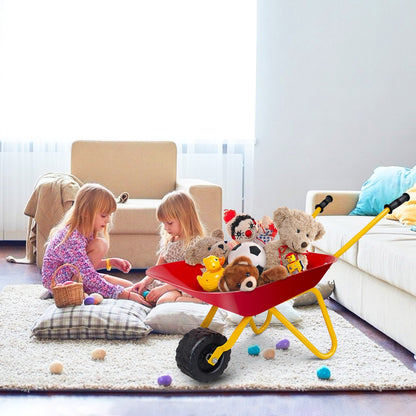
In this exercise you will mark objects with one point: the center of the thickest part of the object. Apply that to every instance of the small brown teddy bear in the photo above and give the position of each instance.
(213, 245)
(296, 231)
(239, 275)
(242, 275)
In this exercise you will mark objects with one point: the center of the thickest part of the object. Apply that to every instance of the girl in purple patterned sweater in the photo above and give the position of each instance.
(82, 239)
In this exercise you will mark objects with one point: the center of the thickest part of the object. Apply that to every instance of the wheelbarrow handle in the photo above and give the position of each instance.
(397, 202)
(328, 199)
(387, 209)
(320, 207)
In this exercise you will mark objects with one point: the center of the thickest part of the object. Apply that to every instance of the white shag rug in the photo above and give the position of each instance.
(358, 363)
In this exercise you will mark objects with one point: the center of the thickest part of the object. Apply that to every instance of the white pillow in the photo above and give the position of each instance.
(285, 308)
(181, 317)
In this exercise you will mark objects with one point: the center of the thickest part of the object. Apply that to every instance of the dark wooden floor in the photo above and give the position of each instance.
(245, 403)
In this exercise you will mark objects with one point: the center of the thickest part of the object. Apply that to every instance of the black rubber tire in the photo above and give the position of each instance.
(193, 352)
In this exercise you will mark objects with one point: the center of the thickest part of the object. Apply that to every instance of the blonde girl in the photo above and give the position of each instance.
(180, 227)
(82, 239)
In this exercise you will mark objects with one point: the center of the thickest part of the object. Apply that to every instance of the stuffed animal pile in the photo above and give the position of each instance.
(256, 257)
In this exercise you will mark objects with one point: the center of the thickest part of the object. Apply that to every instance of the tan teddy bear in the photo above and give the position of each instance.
(212, 245)
(296, 232)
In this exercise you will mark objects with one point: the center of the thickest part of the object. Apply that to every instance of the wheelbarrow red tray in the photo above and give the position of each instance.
(183, 276)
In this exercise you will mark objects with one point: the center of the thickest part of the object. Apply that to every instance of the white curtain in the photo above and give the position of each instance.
(181, 70)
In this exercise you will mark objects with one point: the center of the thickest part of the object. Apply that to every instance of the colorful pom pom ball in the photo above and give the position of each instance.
(98, 354)
(56, 367)
(165, 380)
(269, 353)
(323, 372)
(253, 350)
(283, 344)
(89, 300)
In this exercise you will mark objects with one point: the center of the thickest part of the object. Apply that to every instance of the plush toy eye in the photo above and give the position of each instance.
(248, 274)
(298, 231)
(238, 284)
(238, 234)
(307, 235)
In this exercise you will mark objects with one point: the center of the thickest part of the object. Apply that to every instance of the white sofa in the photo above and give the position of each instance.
(376, 277)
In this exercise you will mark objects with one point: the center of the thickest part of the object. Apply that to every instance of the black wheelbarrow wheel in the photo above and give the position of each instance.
(194, 351)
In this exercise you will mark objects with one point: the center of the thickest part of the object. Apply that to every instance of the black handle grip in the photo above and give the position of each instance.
(328, 199)
(397, 202)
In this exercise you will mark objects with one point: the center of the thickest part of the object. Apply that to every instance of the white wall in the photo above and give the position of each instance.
(336, 94)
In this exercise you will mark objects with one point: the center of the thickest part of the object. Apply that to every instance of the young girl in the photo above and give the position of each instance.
(180, 226)
(82, 239)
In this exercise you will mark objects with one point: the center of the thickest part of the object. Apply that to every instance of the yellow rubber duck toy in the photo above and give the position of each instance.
(214, 270)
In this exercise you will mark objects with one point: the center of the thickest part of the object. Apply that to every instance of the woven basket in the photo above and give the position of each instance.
(68, 295)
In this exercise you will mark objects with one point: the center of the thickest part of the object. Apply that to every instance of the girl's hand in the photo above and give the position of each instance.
(121, 264)
(130, 295)
(154, 295)
(141, 286)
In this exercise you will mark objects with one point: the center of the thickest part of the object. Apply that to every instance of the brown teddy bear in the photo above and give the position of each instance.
(241, 274)
(212, 245)
(296, 231)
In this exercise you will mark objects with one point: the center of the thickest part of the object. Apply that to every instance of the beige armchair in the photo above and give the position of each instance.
(147, 171)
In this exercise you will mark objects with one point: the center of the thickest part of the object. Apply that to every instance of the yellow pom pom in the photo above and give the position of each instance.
(56, 367)
(98, 354)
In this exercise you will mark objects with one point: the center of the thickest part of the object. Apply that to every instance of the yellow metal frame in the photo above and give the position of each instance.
(258, 330)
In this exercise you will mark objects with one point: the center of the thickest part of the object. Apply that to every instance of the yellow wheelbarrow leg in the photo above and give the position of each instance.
(259, 330)
(210, 316)
(230, 342)
(302, 338)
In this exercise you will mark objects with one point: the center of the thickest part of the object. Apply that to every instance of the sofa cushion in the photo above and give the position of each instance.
(386, 251)
(136, 216)
(144, 169)
(385, 185)
(339, 229)
(406, 213)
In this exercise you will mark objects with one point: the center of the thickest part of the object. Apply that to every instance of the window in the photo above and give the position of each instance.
(181, 70)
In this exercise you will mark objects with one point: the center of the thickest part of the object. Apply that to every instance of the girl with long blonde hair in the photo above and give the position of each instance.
(82, 239)
(180, 226)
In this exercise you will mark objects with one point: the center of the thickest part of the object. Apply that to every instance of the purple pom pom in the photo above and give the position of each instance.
(283, 344)
(89, 300)
(165, 380)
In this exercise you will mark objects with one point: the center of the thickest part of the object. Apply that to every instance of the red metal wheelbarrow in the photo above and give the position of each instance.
(204, 354)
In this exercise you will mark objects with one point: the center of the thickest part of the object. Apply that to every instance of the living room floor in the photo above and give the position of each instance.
(244, 403)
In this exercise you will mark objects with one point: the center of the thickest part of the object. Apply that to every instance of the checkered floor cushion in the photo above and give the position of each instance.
(112, 319)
